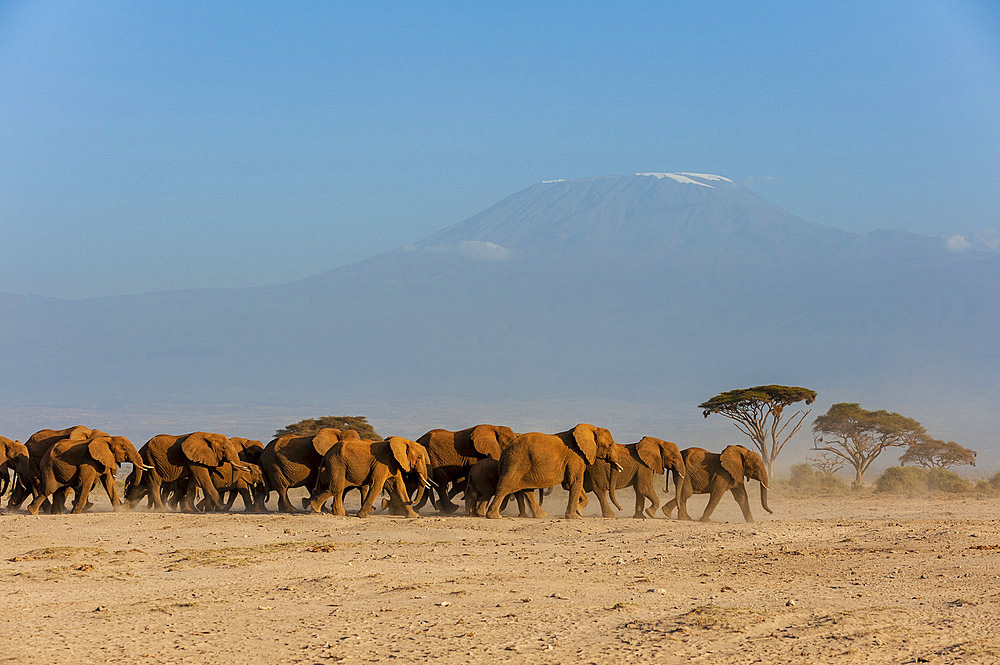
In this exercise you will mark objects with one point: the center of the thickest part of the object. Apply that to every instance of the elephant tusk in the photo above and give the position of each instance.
(618, 467)
(765, 486)
(148, 467)
(431, 483)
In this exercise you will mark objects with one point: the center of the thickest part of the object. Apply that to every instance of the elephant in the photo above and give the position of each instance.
(713, 474)
(13, 458)
(250, 454)
(639, 461)
(79, 464)
(481, 485)
(293, 461)
(172, 458)
(452, 454)
(247, 482)
(537, 460)
(38, 444)
(356, 463)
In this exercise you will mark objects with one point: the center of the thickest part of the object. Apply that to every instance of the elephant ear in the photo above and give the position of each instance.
(198, 448)
(583, 435)
(101, 453)
(731, 460)
(324, 439)
(753, 466)
(485, 441)
(648, 450)
(398, 446)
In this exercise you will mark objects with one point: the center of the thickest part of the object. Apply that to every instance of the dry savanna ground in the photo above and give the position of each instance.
(861, 579)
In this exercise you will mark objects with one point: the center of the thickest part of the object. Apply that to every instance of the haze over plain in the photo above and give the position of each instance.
(187, 146)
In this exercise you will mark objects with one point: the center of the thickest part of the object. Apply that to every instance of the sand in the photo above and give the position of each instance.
(855, 579)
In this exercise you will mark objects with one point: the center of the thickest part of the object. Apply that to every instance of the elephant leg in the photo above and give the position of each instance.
(640, 504)
(444, 503)
(576, 496)
(378, 482)
(108, 480)
(522, 503)
(204, 480)
(504, 488)
(713, 500)
(155, 489)
(244, 491)
(284, 505)
(36, 502)
(606, 510)
(57, 504)
(231, 499)
(647, 492)
(740, 494)
(88, 477)
(397, 487)
(321, 494)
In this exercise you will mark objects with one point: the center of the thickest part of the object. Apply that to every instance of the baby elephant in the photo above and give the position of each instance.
(248, 482)
(358, 463)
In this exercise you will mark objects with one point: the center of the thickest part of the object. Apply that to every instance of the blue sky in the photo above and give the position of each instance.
(149, 146)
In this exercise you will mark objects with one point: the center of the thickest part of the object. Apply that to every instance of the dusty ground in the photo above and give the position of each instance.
(836, 580)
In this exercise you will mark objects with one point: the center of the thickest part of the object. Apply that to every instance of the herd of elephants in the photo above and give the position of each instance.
(489, 463)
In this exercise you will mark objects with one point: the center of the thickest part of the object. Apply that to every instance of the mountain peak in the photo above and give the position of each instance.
(689, 178)
(634, 213)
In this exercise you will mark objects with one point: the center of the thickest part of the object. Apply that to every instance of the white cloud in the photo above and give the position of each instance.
(482, 250)
(990, 238)
(957, 243)
(477, 250)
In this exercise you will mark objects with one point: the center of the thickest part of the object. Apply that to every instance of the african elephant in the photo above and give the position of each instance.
(13, 458)
(537, 460)
(79, 464)
(355, 463)
(173, 459)
(293, 461)
(481, 485)
(713, 474)
(452, 453)
(639, 461)
(247, 482)
(38, 444)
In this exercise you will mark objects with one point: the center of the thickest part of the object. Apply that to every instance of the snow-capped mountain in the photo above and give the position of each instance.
(654, 287)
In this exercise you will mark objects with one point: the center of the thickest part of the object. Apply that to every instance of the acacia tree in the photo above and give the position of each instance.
(359, 424)
(935, 454)
(758, 413)
(859, 436)
(826, 463)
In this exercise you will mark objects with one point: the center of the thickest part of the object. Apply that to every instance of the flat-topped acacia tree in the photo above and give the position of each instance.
(307, 426)
(858, 436)
(758, 412)
(936, 454)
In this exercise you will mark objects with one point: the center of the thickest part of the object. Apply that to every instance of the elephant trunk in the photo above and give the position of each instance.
(137, 468)
(763, 490)
(678, 481)
(763, 497)
(612, 483)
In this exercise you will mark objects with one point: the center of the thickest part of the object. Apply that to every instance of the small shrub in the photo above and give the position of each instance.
(992, 485)
(803, 476)
(915, 480)
(943, 480)
(902, 480)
